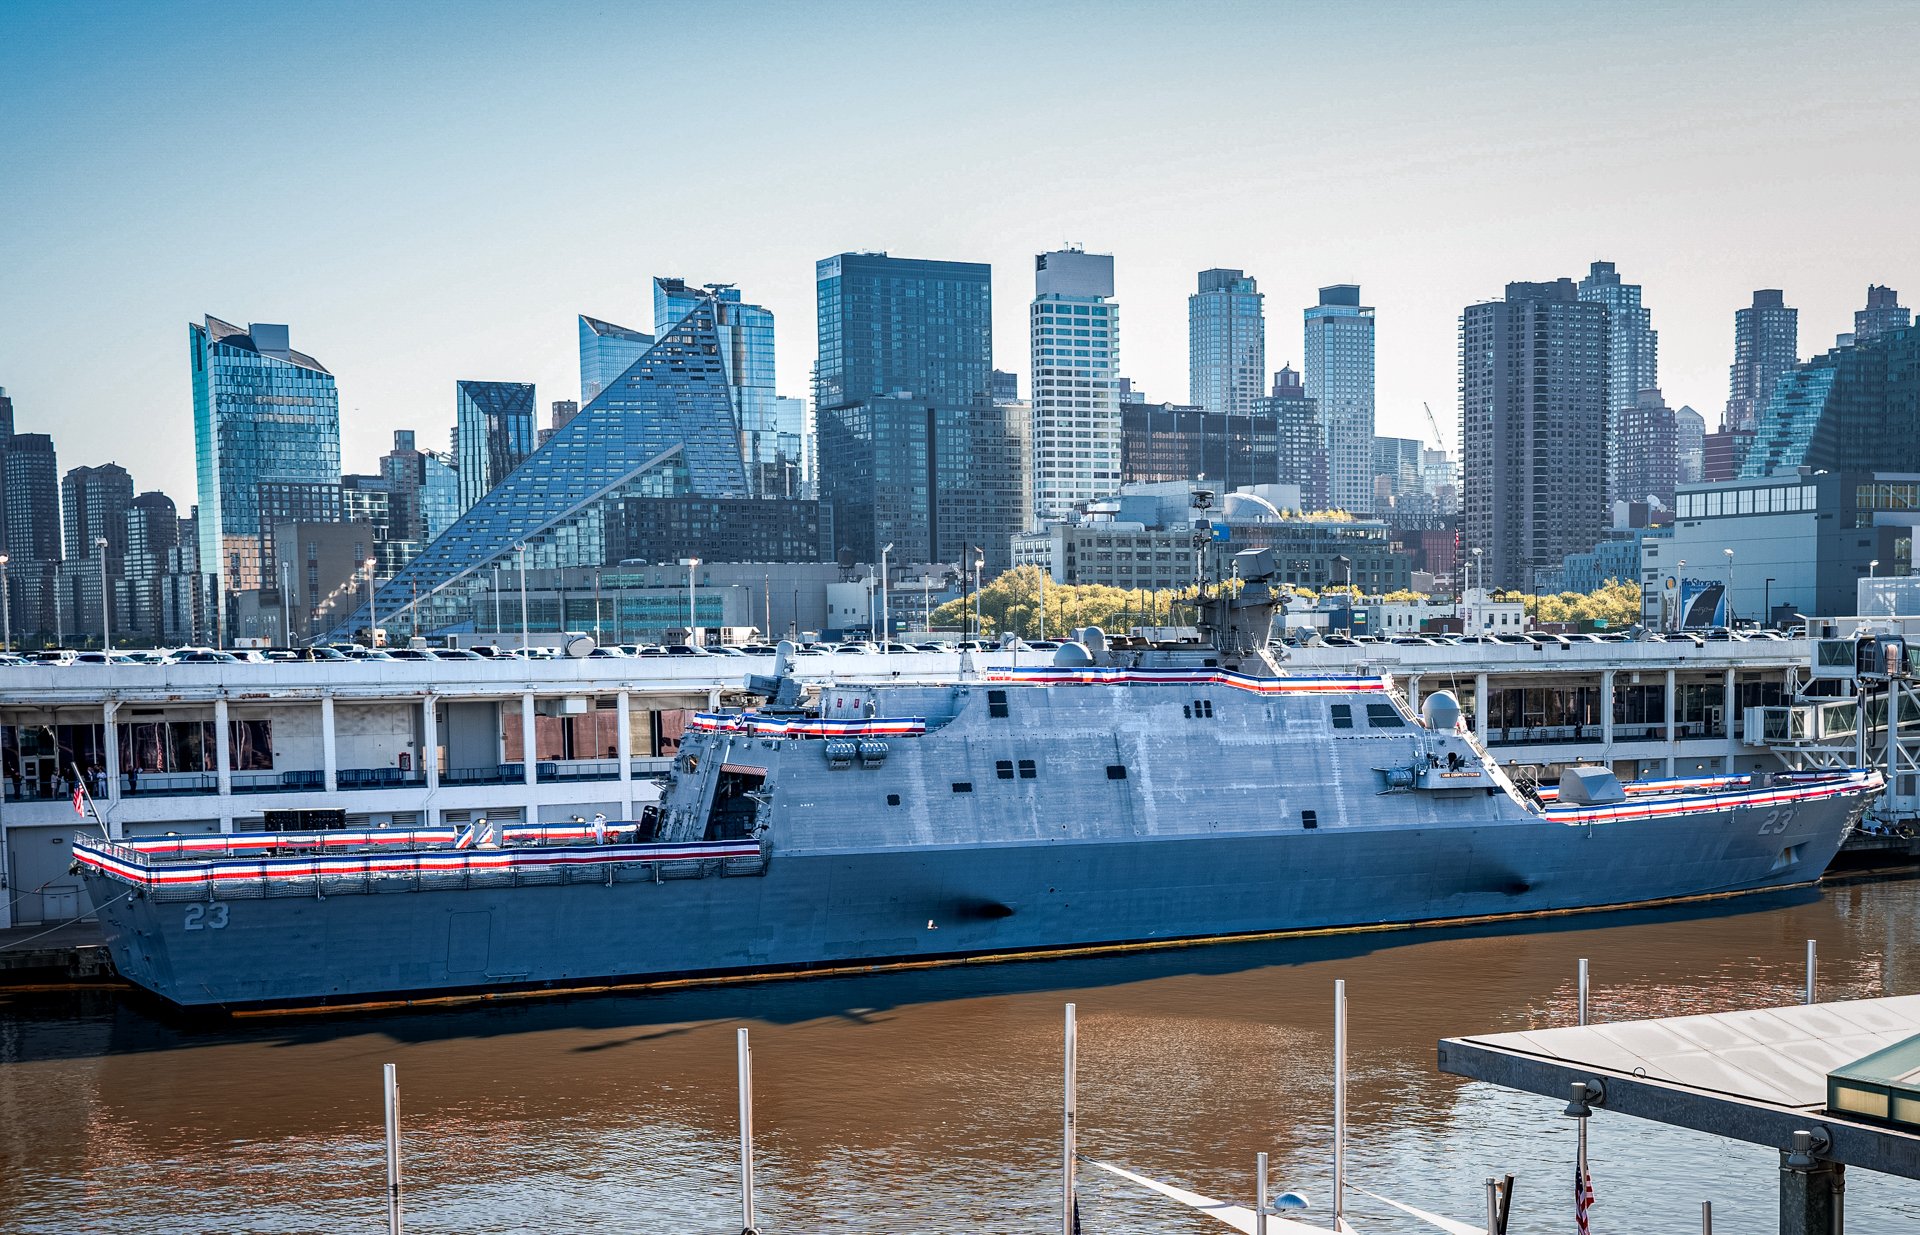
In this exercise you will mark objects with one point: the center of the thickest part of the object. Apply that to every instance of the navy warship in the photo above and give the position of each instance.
(1132, 793)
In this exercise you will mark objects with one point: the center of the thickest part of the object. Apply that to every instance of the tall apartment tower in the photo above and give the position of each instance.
(266, 427)
(1226, 343)
(1766, 343)
(1633, 363)
(1300, 449)
(94, 502)
(746, 353)
(1644, 446)
(1533, 418)
(1690, 445)
(1075, 329)
(32, 488)
(1339, 379)
(1883, 313)
(492, 434)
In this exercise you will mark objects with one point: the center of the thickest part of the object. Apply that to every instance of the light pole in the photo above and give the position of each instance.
(6, 608)
(1729, 554)
(521, 549)
(1679, 603)
(692, 564)
(1766, 601)
(886, 622)
(106, 598)
(497, 620)
(373, 618)
(1873, 567)
(979, 564)
(286, 602)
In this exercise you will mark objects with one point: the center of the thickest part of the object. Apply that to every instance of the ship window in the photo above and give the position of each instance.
(996, 703)
(1342, 716)
(893, 799)
(963, 786)
(1309, 819)
(1385, 716)
(1116, 771)
(1027, 769)
(1003, 768)
(1202, 708)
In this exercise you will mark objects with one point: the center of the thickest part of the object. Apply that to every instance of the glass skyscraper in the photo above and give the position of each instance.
(903, 326)
(606, 351)
(266, 427)
(746, 353)
(1633, 366)
(926, 478)
(1226, 343)
(492, 433)
(1075, 333)
(650, 468)
(1339, 379)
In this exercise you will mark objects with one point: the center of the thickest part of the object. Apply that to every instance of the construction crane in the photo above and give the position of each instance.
(1439, 442)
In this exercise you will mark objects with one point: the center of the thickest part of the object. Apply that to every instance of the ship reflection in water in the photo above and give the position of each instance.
(929, 1100)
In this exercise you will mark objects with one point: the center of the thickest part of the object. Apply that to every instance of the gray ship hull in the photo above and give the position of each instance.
(828, 909)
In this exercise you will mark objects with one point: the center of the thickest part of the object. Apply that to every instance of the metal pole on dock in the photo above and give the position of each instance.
(1813, 961)
(1580, 1148)
(1339, 1102)
(1706, 1218)
(1493, 1206)
(391, 1084)
(747, 1226)
(1070, 1132)
(1260, 1195)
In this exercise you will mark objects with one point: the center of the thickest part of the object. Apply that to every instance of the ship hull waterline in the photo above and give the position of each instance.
(923, 905)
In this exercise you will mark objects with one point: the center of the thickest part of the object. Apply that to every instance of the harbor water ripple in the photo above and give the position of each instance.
(930, 1100)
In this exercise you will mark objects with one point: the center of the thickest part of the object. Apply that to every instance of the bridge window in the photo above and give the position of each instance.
(1003, 768)
(1385, 716)
(1027, 769)
(996, 703)
(1342, 716)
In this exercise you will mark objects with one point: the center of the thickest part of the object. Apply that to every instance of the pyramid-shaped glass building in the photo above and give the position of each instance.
(653, 462)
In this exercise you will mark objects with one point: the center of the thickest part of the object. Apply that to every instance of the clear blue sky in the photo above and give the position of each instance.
(431, 192)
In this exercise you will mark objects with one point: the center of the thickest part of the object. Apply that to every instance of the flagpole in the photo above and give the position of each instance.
(93, 807)
(1339, 1102)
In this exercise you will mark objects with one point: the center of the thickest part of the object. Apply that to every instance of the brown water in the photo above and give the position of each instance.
(929, 1101)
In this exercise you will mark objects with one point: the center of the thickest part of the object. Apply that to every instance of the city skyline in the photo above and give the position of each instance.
(358, 187)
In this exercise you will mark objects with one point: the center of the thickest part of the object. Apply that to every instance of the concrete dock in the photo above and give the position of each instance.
(40, 955)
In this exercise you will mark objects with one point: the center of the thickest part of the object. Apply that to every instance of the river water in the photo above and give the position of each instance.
(930, 1101)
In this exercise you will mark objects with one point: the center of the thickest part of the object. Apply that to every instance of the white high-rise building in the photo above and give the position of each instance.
(1339, 376)
(1076, 388)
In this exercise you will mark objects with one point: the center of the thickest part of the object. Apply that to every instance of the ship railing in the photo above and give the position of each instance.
(789, 727)
(258, 877)
(1786, 791)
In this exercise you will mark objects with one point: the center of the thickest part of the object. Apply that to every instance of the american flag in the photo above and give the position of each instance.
(1582, 1195)
(79, 799)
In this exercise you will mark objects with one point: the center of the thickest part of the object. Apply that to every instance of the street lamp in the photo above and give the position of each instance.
(373, 618)
(6, 614)
(525, 642)
(1873, 566)
(1729, 554)
(1680, 578)
(886, 617)
(106, 598)
(691, 563)
(1766, 601)
(979, 564)
(1480, 566)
